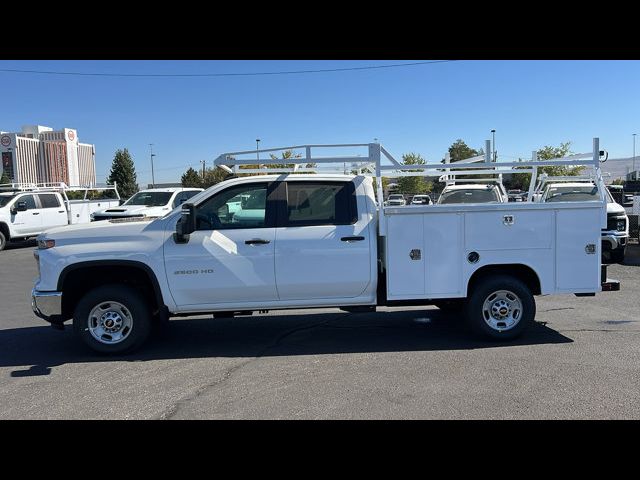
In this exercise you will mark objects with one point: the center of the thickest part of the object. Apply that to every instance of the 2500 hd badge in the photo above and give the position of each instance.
(193, 272)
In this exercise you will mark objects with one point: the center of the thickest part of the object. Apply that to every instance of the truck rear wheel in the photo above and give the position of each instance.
(500, 307)
(3, 241)
(112, 319)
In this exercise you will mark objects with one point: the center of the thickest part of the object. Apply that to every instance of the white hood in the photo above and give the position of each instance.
(129, 210)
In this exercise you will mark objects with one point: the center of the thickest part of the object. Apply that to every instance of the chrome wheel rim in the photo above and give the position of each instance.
(502, 310)
(110, 322)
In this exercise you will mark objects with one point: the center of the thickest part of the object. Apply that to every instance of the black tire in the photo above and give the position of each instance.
(617, 255)
(3, 241)
(116, 301)
(480, 320)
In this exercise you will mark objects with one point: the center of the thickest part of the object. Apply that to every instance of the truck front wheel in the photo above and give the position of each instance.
(500, 307)
(3, 241)
(112, 319)
(617, 255)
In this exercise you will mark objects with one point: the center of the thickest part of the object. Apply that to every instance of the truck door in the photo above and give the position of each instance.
(322, 241)
(28, 222)
(52, 212)
(229, 258)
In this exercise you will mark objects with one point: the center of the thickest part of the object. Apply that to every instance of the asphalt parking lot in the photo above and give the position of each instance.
(580, 361)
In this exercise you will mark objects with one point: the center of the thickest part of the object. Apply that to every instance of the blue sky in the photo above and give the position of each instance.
(420, 109)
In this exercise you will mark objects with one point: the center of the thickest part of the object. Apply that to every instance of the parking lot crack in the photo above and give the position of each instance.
(173, 410)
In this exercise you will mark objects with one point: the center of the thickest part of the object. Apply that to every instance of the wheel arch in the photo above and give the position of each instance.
(518, 270)
(4, 228)
(79, 278)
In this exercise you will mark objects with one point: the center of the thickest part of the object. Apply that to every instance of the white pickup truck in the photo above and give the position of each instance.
(152, 203)
(615, 232)
(306, 241)
(27, 210)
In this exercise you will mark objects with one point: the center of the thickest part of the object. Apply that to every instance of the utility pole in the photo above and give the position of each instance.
(153, 178)
(203, 163)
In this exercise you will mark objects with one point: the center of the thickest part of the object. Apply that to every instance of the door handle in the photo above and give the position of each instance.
(257, 241)
(61, 211)
(352, 239)
(35, 213)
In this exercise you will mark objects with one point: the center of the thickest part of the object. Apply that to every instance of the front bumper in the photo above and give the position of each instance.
(614, 241)
(47, 305)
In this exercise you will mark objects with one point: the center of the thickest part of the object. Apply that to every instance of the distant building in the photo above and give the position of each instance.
(40, 154)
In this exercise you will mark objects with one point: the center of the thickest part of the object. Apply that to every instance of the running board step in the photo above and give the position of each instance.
(359, 309)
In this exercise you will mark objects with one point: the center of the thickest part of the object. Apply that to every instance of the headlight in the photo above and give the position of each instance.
(44, 244)
(621, 225)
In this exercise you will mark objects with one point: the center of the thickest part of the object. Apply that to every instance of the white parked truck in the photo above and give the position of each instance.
(27, 210)
(311, 241)
(615, 233)
(152, 203)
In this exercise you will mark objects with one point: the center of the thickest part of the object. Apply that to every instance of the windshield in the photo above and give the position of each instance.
(150, 199)
(470, 196)
(572, 194)
(396, 197)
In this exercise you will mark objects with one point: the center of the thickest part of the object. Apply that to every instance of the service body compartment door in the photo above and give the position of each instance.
(405, 257)
(578, 244)
(443, 233)
(424, 255)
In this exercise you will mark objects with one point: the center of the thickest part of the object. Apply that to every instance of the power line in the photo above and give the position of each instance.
(237, 74)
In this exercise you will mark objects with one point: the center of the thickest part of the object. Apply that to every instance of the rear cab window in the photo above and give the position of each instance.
(49, 200)
(320, 203)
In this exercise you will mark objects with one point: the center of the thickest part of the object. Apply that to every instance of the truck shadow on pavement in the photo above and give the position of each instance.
(43, 348)
(21, 244)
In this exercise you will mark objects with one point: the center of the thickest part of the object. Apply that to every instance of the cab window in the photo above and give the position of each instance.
(48, 200)
(29, 200)
(243, 206)
(320, 203)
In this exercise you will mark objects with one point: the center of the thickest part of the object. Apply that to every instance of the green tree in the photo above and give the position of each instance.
(212, 176)
(4, 178)
(191, 178)
(413, 185)
(459, 150)
(522, 180)
(123, 173)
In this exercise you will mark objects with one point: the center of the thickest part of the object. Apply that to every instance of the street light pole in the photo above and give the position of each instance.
(257, 149)
(633, 168)
(493, 132)
(153, 178)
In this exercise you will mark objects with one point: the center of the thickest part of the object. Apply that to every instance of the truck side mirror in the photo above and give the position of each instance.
(187, 223)
(19, 207)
